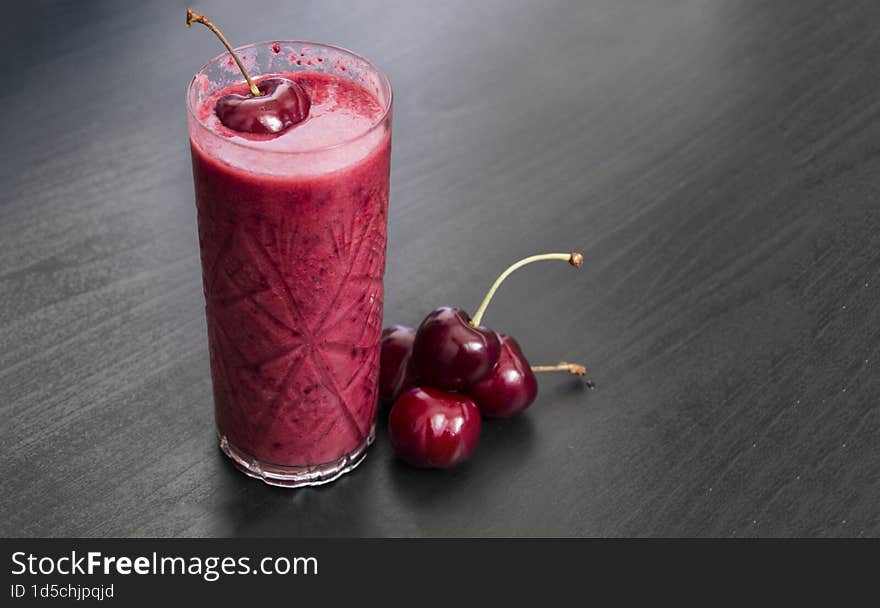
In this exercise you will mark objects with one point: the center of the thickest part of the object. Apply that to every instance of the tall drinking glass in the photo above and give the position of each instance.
(292, 236)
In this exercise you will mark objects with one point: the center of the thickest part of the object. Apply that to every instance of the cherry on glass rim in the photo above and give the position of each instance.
(282, 104)
(274, 105)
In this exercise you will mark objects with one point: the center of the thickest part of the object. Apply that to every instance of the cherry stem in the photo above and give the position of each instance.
(572, 368)
(194, 17)
(575, 259)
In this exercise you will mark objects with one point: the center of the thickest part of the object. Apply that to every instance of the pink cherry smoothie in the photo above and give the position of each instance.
(292, 230)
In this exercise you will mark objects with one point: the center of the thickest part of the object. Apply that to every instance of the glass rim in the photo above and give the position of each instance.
(383, 81)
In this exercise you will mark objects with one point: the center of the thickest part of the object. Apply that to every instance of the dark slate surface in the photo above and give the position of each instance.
(717, 162)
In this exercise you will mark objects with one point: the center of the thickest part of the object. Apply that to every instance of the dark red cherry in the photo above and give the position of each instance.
(283, 103)
(407, 381)
(510, 387)
(449, 353)
(395, 372)
(433, 429)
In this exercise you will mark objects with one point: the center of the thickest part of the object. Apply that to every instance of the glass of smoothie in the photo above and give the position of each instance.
(292, 230)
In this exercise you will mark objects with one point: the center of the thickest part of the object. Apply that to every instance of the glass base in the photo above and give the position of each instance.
(297, 477)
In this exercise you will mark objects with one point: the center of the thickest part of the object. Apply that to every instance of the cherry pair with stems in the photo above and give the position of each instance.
(450, 372)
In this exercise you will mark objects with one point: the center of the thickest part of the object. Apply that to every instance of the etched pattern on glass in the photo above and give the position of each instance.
(294, 325)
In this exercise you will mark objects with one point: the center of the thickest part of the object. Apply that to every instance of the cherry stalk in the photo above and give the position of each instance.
(574, 258)
(563, 366)
(194, 17)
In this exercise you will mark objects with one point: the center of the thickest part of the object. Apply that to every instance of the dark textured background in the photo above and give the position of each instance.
(718, 162)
